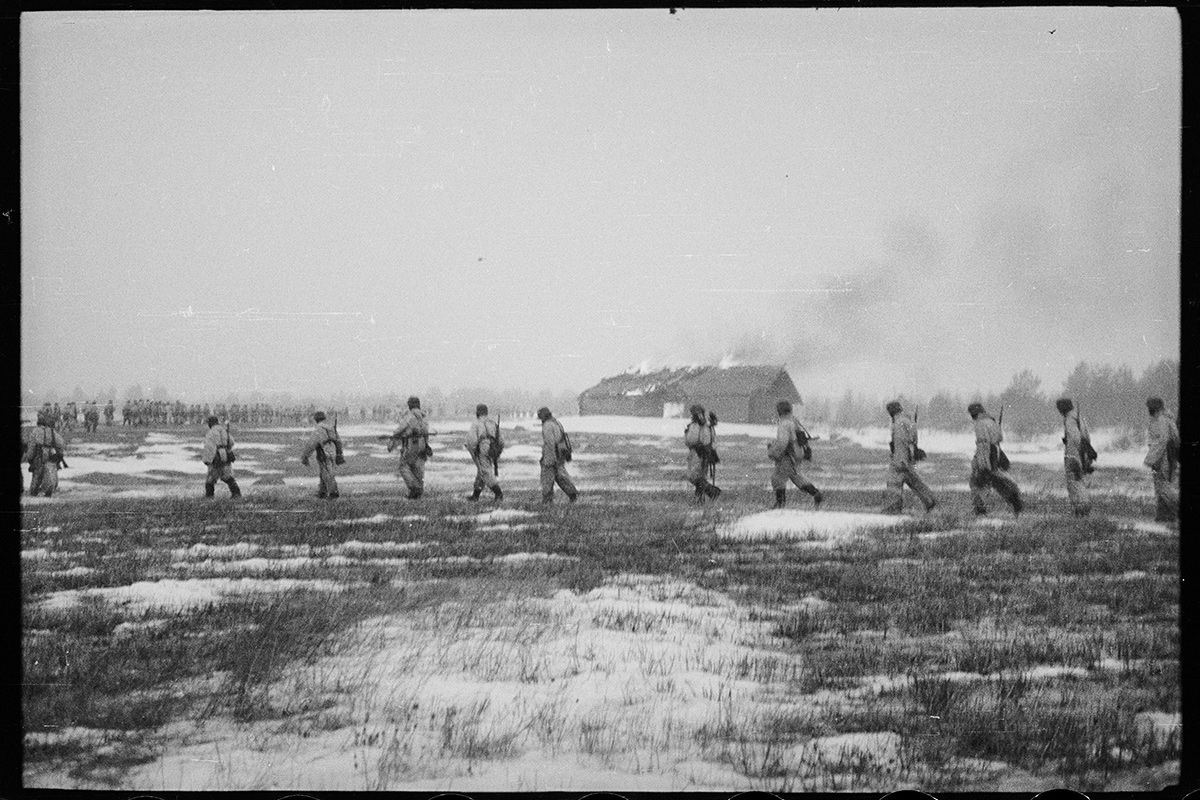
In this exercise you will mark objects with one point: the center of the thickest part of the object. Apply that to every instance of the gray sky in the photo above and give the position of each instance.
(887, 200)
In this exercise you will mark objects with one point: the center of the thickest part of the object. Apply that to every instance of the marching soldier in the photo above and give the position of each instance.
(218, 456)
(109, 412)
(413, 436)
(483, 443)
(788, 450)
(985, 466)
(1163, 459)
(324, 435)
(905, 454)
(698, 436)
(1074, 455)
(556, 452)
(91, 418)
(45, 453)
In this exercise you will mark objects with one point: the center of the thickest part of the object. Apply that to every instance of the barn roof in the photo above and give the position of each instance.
(633, 384)
(689, 381)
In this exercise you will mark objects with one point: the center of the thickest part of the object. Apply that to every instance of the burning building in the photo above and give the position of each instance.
(735, 394)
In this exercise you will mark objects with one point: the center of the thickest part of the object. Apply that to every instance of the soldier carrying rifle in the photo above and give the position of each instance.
(905, 454)
(989, 467)
(702, 455)
(218, 456)
(1162, 457)
(413, 438)
(789, 449)
(324, 435)
(45, 453)
(485, 445)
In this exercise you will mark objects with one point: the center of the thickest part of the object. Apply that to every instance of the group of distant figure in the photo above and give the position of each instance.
(44, 451)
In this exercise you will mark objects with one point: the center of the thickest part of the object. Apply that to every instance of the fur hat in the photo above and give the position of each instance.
(783, 407)
(319, 416)
(414, 402)
(894, 407)
(543, 413)
(481, 410)
(1154, 404)
(975, 409)
(1064, 404)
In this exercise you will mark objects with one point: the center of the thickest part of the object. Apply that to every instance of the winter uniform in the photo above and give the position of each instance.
(985, 470)
(217, 454)
(553, 460)
(44, 451)
(1162, 458)
(322, 437)
(788, 453)
(1073, 435)
(901, 469)
(480, 435)
(698, 436)
(412, 434)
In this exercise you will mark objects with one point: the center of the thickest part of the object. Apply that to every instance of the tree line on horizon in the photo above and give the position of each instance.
(1107, 396)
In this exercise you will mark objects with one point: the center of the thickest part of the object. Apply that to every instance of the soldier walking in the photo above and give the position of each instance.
(484, 444)
(556, 452)
(218, 456)
(45, 451)
(413, 436)
(985, 466)
(902, 469)
(109, 412)
(698, 436)
(322, 436)
(789, 449)
(1162, 458)
(1076, 460)
(91, 418)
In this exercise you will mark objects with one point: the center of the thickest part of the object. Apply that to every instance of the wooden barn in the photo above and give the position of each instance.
(735, 394)
(635, 394)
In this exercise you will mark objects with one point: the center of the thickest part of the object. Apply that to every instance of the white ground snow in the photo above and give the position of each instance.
(179, 595)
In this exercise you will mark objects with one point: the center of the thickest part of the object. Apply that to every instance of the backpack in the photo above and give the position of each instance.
(565, 449)
(495, 445)
(1087, 455)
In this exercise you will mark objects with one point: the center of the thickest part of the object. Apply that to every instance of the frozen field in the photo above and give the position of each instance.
(632, 642)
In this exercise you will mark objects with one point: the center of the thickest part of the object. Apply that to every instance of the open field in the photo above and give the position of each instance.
(631, 642)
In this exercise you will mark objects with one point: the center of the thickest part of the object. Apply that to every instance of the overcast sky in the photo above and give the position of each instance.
(885, 200)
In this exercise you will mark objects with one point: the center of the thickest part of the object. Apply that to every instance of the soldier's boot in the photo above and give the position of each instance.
(414, 494)
(1163, 511)
(713, 492)
(499, 494)
(817, 497)
(1017, 505)
(210, 489)
(930, 506)
(780, 498)
(474, 495)
(234, 491)
(571, 498)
